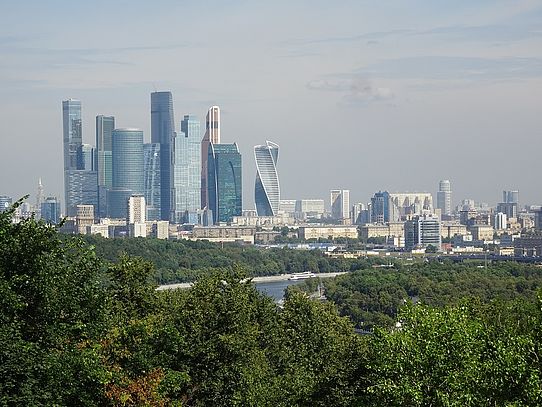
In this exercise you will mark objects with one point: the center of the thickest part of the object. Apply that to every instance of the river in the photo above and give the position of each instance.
(275, 289)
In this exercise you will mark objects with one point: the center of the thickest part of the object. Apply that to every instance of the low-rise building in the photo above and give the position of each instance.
(224, 233)
(482, 232)
(327, 232)
(390, 229)
(449, 229)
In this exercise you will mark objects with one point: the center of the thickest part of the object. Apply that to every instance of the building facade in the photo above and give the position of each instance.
(444, 197)
(151, 174)
(212, 135)
(423, 231)
(224, 182)
(50, 210)
(163, 132)
(104, 164)
(127, 148)
(187, 169)
(340, 204)
(267, 186)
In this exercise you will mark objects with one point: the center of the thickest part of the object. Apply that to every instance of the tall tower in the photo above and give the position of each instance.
(104, 164)
(212, 135)
(72, 139)
(39, 199)
(151, 174)
(225, 182)
(127, 170)
(444, 197)
(340, 204)
(267, 188)
(187, 168)
(163, 132)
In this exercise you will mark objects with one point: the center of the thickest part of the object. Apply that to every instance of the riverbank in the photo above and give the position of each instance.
(256, 280)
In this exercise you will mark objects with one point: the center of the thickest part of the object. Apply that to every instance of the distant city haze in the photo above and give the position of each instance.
(360, 96)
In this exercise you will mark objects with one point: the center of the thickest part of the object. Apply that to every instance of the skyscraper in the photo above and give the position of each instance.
(380, 207)
(85, 157)
(104, 165)
(225, 182)
(267, 187)
(127, 149)
(423, 231)
(340, 204)
(444, 197)
(39, 199)
(187, 168)
(151, 173)
(163, 132)
(72, 140)
(212, 135)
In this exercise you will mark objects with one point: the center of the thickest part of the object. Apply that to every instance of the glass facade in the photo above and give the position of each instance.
(103, 159)
(5, 202)
(224, 182)
(187, 169)
(50, 210)
(81, 189)
(72, 139)
(163, 132)
(212, 135)
(127, 153)
(151, 172)
(380, 207)
(267, 187)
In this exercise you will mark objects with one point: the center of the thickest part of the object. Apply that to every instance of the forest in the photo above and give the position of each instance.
(77, 329)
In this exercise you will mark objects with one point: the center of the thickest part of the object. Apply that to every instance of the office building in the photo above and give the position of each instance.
(81, 189)
(509, 204)
(327, 232)
(5, 202)
(224, 182)
(267, 187)
(340, 204)
(84, 218)
(287, 206)
(510, 196)
(136, 216)
(39, 199)
(85, 157)
(127, 179)
(309, 208)
(163, 132)
(187, 169)
(212, 135)
(50, 210)
(500, 221)
(444, 197)
(360, 214)
(423, 231)
(380, 207)
(103, 159)
(151, 174)
(407, 204)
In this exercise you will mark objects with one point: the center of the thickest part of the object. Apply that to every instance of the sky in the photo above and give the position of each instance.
(360, 95)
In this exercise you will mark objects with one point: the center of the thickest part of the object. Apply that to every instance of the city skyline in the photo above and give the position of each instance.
(375, 83)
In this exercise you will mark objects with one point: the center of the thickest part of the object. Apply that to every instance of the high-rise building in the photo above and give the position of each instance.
(127, 149)
(39, 199)
(163, 132)
(444, 197)
(151, 173)
(187, 169)
(360, 214)
(103, 159)
(72, 140)
(423, 231)
(85, 157)
(84, 218)
(380, 207)
(212, 135)
(509, 204)
(340, 204)
(5, 202)
(267, 187)
(225, 182)
(50, 210)
(81, 189)
(500, 221)
(510, 196)
(309, 208)
(136, 209)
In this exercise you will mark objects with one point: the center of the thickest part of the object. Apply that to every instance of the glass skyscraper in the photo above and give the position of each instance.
(267, 188)
(78, 178)
(163, 132)
(151, 172)
(127, 149)
(212, 135)
(103, 164)
(224, 182)
(444, 197)
(50, 210)
(187, 169)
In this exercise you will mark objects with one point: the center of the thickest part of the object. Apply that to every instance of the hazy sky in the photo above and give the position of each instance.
(360, 95)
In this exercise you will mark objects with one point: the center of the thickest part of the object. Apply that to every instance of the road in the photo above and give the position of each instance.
(265, 279)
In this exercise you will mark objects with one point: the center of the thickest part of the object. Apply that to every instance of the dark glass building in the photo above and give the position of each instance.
(163, 132)
(50, 210)
(224, 182)
(103, 159)
(267, 188)
(151, 172)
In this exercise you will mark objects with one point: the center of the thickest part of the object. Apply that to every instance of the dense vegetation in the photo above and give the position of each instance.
(76, 331)
(373, 297)
(183, 260)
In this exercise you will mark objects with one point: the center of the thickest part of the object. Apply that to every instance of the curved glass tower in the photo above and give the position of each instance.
(267, 188)
(127, 153)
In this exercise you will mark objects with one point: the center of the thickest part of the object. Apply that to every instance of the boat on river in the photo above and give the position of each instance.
(302, 276)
